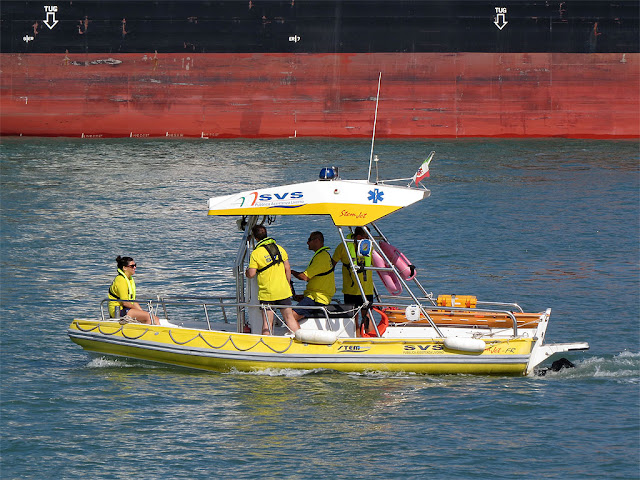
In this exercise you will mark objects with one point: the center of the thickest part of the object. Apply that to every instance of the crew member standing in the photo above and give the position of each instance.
(270, 263)
(350, 289)
(319, 274)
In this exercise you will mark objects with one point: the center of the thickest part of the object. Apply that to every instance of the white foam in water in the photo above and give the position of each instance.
(629, 354)
(110, 362)
(102, 362)
(624, 365)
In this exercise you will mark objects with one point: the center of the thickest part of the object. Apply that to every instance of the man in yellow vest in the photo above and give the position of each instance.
(350, 289)
(270, 263)
(319, 274)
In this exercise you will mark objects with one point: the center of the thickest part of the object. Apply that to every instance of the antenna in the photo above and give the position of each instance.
(373, 136)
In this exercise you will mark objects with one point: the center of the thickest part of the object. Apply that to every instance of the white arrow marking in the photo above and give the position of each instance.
(500, 21)
(51, 17)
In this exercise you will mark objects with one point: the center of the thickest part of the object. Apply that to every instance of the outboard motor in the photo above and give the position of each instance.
(556, 366)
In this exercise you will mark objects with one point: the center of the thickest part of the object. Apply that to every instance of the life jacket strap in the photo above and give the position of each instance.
(274, 253)
(333, 267)
(130, 290)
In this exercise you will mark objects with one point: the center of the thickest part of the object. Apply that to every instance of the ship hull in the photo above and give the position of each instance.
(261, 95)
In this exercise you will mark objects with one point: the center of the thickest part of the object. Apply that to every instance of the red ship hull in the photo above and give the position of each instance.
(262, 95)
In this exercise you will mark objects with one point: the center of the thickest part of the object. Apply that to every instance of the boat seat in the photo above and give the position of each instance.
(335, 310)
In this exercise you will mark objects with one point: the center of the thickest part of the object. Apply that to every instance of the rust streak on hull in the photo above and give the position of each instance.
(321, 95)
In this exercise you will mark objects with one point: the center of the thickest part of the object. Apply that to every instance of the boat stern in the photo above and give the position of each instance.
(545, 352)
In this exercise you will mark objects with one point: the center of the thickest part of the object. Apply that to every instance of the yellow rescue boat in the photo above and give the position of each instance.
(414, 332)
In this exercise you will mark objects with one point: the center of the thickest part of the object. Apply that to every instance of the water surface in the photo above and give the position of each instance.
(543, 223)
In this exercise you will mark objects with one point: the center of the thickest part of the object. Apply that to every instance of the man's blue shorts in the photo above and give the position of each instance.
(308, 302)
(284, 301)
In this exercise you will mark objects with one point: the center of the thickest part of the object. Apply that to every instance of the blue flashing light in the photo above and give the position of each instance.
(329, 173)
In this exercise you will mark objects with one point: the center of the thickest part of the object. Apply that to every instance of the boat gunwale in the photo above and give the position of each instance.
(349, 357)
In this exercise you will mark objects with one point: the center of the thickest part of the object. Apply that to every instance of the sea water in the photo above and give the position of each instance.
(545, 223)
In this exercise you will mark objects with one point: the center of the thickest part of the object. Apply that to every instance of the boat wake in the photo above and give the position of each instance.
(623, 367)
(112, 362)
(103, 362)
(107, 362)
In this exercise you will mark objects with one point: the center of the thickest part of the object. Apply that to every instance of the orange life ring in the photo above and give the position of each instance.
(382, 326)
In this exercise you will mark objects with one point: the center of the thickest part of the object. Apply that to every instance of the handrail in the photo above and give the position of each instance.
(175, 300)
(429, 299)
(483, 310)
(501, 304)
(508, 313)
(306, 307)
(206, 301)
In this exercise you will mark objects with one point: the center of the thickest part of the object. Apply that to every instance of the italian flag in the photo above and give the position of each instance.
(423, 171)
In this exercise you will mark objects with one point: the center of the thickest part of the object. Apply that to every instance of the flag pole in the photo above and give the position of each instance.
(373, 136)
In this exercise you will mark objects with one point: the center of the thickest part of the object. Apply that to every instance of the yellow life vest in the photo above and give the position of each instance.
(131, 292)
(358, 260)
(323, 249)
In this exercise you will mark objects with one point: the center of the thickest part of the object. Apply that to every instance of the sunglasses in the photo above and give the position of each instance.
(133, 265)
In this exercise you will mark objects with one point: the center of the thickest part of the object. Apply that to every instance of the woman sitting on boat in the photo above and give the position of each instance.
(123, 287)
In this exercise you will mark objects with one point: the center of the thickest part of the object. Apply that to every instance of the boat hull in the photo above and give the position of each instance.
(217, 95)
(226, 351)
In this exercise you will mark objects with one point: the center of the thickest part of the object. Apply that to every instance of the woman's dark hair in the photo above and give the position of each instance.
(123, 261)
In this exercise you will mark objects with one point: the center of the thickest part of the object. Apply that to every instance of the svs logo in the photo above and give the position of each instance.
(422, 348)
(253, 197)
(267, 197)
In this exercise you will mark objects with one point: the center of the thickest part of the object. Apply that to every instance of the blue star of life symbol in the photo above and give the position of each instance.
(375, 195)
